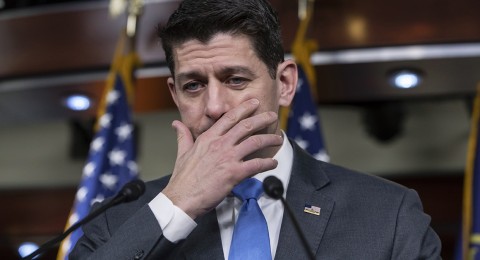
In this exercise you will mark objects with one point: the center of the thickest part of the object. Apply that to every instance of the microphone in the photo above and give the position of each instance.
(129, 192)
(273, 187)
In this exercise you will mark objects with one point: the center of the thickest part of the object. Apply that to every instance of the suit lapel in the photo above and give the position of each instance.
(306, 181)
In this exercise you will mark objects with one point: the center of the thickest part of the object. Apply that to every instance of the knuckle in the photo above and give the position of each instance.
(247, 124)
(257, 165)
(253, 166)
(230, 117)
(270, 116)
(214, 146)
(256, 141)
(201, 138)
(180, 137)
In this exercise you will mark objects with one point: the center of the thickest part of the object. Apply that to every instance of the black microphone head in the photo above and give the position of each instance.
(132, 190)
(273, 187)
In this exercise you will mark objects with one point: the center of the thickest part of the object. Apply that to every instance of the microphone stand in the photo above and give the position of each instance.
(131, 191)
(58, 239)
(299, 230)
(273, 187)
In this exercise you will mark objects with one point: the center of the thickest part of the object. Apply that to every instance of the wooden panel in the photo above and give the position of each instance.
(73, 37)
(152, 94)
(33, 215)
(355, 23)
(36, 211)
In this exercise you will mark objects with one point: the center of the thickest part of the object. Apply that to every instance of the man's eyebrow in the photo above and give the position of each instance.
(223, 72)
(226, 71)
(188, 75)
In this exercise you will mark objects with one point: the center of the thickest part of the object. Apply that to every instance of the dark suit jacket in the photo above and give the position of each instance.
(361, 217)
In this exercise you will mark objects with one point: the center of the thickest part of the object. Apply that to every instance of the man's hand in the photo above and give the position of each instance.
(207, 170)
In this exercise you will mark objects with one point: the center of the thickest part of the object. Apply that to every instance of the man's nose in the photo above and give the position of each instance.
(217, 100)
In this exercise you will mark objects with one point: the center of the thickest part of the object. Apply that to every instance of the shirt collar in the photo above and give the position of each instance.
(284, 157)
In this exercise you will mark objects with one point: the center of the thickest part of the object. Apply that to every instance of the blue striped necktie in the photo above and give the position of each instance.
(250, 236)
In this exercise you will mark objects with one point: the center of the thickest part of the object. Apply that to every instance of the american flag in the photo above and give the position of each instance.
(111, 160)
(303, 123)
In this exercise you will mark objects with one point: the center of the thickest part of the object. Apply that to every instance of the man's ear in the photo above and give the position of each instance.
(287, 79)
(173, 90)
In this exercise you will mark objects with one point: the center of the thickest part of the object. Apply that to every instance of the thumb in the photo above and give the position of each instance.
(184, 137)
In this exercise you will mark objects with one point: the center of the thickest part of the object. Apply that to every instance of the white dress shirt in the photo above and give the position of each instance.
(177, 225)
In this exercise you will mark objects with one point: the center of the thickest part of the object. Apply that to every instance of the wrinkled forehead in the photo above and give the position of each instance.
(224, 53)
(179, 46)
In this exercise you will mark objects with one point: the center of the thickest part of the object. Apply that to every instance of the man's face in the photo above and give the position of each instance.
(212, 78)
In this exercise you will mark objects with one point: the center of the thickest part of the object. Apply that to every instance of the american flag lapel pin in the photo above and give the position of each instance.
(312, 209)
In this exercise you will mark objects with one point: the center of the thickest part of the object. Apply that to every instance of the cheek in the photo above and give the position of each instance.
(270, 100)
(188, 112)
(267, 93)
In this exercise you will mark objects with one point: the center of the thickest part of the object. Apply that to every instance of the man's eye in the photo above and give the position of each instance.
(192, 86)
(236, 81)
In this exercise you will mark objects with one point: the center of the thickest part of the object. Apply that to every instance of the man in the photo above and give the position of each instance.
(228, 81)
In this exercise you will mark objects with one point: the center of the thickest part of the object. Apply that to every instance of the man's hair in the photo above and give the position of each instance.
(202, 19)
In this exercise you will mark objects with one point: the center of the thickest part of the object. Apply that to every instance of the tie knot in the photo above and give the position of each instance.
(250, 188)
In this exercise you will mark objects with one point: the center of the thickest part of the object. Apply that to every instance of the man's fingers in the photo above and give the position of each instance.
(256, 143)
(251, 125)
(184, 137)
(256, 165)
(232, 117)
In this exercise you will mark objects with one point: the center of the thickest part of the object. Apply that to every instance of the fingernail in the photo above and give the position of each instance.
(254, 101)
(174, 124)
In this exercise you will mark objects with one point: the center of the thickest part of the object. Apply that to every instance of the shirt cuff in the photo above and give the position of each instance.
(176, 224)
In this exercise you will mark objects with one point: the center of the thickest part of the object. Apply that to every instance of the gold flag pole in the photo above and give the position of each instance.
(126, 56)
(134, 9)
(302, 49)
